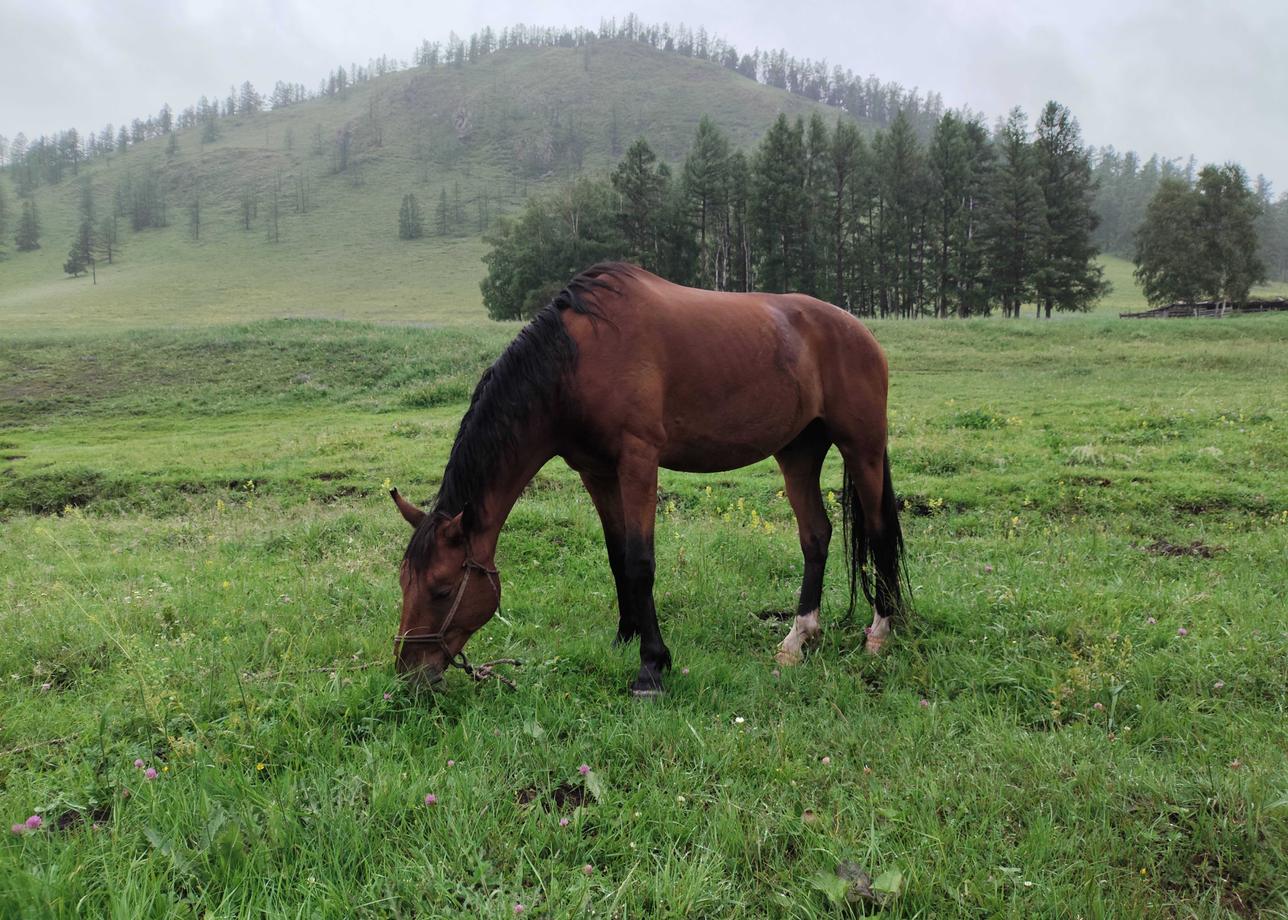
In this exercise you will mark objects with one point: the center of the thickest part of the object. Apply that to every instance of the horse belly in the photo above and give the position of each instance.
(733, 426)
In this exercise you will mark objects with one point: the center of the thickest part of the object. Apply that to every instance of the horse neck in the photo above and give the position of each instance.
(501, 494)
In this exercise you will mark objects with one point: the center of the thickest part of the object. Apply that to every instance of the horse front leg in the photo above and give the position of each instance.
(605, 492)
(637, 478)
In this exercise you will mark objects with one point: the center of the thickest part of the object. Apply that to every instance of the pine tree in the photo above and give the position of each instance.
(959, 159)
(1066, 276)
(303, 192)
(972, 265)
(410, 225)
(814, 270)
(1200, 242)
(677, 246)
(738, 242)
(194, 214)
(108, 247)
(846, 156)
(27, 237)
(443, 214)
(272, 225)
(639, 185)
(248, 201)
(343, 148)
(1014, 224)
(74, 264)
(81, 255)
(949, 170)
(705, 188)
(83, 249)
(778, 207)
(902, 207)
(249, 100)
(4, 221)
(1272, 234)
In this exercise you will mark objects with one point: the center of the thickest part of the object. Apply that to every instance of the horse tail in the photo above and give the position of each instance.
(876, 561)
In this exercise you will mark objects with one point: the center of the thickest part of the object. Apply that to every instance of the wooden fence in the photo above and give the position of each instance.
(1210, 308)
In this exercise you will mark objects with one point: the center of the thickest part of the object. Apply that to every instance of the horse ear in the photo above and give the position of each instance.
(411, 514)
(455, 529)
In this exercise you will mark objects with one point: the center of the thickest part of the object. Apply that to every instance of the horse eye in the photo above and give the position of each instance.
(439, 593)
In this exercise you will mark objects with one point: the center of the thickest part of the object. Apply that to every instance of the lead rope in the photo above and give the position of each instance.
(486, 670)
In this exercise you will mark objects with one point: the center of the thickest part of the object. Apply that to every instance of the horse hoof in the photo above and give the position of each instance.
(788, 658)
(647, 684)
(873, 646)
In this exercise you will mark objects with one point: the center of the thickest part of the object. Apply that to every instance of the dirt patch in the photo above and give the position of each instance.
(913, 505)
(769, 613)
(332, 476)
(564, 797)
(1195, 548)
(73, 818)
(342, 493)
(921, 506)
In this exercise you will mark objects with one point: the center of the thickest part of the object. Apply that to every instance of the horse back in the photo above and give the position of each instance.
(715, 379)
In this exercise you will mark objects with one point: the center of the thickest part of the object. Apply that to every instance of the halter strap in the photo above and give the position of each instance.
(440, 634)
(478, 672)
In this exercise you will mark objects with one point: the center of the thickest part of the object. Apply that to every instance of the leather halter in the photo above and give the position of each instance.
(438, 637)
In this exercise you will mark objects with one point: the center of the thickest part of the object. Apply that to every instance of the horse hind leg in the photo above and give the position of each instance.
(875, 538)
(801, 462)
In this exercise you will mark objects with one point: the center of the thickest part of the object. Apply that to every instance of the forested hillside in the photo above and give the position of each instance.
(370, 196)
(296, 210)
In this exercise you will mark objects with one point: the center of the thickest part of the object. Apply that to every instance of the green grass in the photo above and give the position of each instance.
(198, 557)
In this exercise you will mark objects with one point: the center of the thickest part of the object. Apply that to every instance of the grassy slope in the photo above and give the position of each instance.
(344, 259)
(181, 614)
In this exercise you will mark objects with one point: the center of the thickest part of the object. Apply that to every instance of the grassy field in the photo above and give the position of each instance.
(1085, 718)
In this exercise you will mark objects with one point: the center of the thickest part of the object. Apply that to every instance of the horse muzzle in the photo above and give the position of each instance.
(422, 667)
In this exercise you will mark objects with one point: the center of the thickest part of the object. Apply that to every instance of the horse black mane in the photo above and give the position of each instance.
(526, 378)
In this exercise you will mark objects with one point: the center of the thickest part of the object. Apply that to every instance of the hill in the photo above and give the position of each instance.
(483, 135)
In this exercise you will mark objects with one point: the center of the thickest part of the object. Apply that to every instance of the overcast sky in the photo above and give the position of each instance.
(1171, 76)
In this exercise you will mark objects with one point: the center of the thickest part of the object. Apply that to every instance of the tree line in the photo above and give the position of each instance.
(968, 223)
(49, 158)
(862, 97)
(1126, 184)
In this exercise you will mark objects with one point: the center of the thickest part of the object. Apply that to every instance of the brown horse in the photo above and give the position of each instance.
(624, 373)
